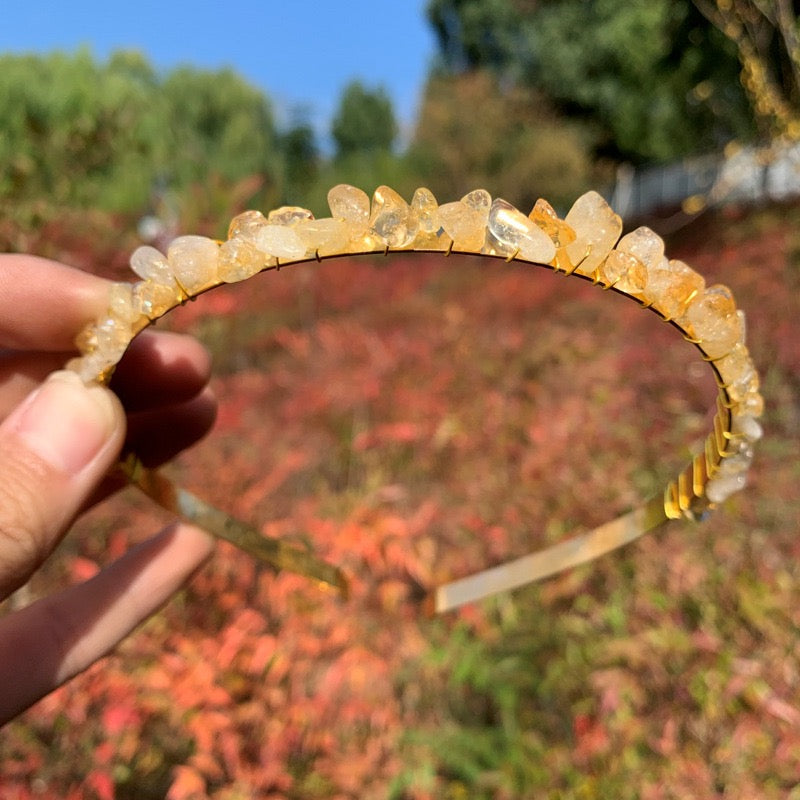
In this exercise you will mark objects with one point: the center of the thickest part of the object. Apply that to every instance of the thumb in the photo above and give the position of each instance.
(54, 449)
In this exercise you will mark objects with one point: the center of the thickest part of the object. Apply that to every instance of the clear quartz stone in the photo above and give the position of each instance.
(193, 260)
(280, 241)
(597, 229)
(288, 215)
(748, 427)
(722, 486)
(239, 259)
(479, 200)
(711, 318)
(424, 205)
(737, 371)
(392, 219)
(516, 233)
(430, 234)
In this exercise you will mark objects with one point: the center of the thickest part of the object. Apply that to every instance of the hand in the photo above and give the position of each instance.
(58, 441)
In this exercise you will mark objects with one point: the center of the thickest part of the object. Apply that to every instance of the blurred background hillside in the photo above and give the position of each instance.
(527, 99)
(425, 417)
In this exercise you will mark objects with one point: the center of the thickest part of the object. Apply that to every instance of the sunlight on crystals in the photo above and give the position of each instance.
(239, 259)
(193, 260)
(288, 215)
(120, 303)
(323, 236)
(280, 241)
(152, 265)
(672, 286)
(544, 215)
(625, 272)
(464, 224)
(712, 319)
(597, 229)
(350, 204)
(392, 219)
(513, 232)
(431, 235)
(152, 299)
(247, 224)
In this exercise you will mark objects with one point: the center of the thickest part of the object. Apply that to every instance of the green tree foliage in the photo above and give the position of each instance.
(220, 124)
(519, 149)
(652, 79)
(81, 133)
(364, 121)
(301, 160)
(767, 38)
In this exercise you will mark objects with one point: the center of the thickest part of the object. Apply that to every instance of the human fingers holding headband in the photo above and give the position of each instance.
(58, 440)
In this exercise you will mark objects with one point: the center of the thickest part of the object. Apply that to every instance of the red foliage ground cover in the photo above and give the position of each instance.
(414, 419)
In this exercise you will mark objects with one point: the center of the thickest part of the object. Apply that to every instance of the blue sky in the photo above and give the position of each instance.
(301, 53)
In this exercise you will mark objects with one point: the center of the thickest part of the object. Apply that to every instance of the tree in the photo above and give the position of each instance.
(81, 133)
(219, 123)
(767, 38)
(520, 148)
(301, 160)
(364, 121)
(652, 79)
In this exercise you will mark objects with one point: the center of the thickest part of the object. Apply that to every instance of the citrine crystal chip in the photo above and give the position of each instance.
(544, 215)
(239, 259)
(350, 204)
(323, 236)
(280, 241)
(597, 229)
(193, 260)
(738, 373)
(430, 234)
(465, 220)
(625, 272)
(152, 299)
(246, 225)
(152, 265)
(671, 286)
(712, 320)
(120, 303)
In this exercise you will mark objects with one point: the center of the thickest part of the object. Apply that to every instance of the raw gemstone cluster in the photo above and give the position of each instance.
(586, 243)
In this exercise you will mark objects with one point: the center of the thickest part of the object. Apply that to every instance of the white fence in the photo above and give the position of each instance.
(749, 174)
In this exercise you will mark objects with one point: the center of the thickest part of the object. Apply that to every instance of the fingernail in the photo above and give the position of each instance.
(65, 422)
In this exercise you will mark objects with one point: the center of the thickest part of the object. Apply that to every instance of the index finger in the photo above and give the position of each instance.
(44, 304)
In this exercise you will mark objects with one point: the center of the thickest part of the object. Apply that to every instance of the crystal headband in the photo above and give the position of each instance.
(586, 243)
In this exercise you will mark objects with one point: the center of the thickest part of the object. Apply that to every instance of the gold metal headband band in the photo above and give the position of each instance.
(586, 243)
